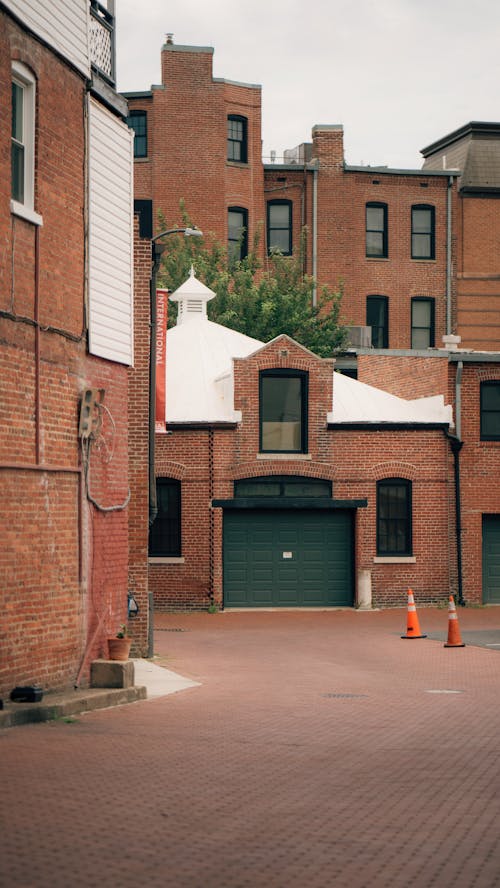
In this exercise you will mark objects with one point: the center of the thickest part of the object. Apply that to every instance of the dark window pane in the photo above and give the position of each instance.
(137, 121)
(237, 139)
(490, 411)
(422, 323)
(17, 172)
(237, 223)
(165, 533)
(17, 112)
(282, 413)
(279, 226)
(377, 319)
(422, 232)
(393, 518)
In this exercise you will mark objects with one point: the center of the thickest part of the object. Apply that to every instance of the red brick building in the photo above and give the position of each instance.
(405, 245)
(283, 483)
(474, 149)
(67, 340)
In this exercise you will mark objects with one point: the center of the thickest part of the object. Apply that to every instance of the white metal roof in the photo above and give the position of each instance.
(200, 375)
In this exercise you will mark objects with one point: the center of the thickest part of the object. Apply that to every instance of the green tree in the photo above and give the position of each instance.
(260, 302)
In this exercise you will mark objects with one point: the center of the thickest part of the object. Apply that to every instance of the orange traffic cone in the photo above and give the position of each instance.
(412, 625)
(454, 638)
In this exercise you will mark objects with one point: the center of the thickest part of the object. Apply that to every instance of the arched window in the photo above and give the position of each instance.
(23, 143)
(394, 519)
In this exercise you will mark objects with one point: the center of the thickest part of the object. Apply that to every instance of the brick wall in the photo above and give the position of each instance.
(187, 138)
(138, 431)
(208, 462)
(63, 566)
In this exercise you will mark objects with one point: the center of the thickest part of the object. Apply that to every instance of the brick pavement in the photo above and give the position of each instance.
(313, 754)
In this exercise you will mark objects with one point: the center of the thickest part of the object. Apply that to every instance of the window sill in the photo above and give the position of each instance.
(377, 258)
(288, 456)
(238, 164)
(142, 159)
(19, 209)
(160, 559)
(395, 559)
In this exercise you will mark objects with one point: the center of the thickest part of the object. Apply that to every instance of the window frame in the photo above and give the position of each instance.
(139, 114)
(173, 523)
(432, 325)
(280, 202)
(431, 233)
(24, 205)
(488, 384)
(382, 300)
(277, 372)
(377, 205)
(382, 485)
(232, 141)
(242, 239)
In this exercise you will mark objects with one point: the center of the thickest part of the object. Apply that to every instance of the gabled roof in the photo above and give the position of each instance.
(200, 377)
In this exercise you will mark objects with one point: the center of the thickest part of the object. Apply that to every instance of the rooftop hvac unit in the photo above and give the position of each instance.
(359, 337)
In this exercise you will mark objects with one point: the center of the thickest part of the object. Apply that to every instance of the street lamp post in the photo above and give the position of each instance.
(157, 250)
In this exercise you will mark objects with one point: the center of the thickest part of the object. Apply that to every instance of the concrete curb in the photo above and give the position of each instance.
(67, 704)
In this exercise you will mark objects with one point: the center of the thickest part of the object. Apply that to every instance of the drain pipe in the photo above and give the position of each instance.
(448, 255)
(315, 237)
(456, 444)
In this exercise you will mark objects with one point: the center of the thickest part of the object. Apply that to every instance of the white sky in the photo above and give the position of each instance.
(398, 74)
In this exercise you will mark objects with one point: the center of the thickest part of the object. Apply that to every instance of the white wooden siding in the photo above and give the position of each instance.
(110, 236)
(63, 24)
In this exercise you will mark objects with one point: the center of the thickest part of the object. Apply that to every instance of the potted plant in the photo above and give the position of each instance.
(119, 646)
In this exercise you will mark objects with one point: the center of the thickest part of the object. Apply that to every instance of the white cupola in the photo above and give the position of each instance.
(192, 297)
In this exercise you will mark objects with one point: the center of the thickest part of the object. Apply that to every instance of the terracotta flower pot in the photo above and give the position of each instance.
(119, 648)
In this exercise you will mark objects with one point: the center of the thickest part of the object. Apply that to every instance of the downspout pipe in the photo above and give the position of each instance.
(315, 237)
(156, 259)
(456, 444)
(448, 255)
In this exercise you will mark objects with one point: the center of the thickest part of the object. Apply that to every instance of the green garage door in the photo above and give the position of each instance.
(491, 559)
(288, 558)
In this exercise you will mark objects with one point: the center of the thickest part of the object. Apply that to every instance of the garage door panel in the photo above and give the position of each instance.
(491, 559)
(288, 558)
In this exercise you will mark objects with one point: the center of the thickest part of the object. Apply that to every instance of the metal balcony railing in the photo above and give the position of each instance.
(102, 38)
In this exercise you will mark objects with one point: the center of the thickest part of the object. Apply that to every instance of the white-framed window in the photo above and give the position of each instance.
(23, 143)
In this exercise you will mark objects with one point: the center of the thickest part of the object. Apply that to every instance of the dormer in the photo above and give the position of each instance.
(192, 298)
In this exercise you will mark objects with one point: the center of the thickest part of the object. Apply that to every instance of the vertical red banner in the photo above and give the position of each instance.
(161, 358)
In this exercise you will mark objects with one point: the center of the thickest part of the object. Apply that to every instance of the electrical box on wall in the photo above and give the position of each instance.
(90, 415)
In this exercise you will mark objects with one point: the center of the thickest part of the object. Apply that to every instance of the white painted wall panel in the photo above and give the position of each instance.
(63, 24)
(110, 236)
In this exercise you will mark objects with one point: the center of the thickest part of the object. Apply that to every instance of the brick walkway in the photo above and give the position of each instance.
(320, 750)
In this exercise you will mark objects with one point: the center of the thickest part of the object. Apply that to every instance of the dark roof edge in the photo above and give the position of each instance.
(474, 126)
(193, 426)
(288, 502)
(387, 426)
(389, 171)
